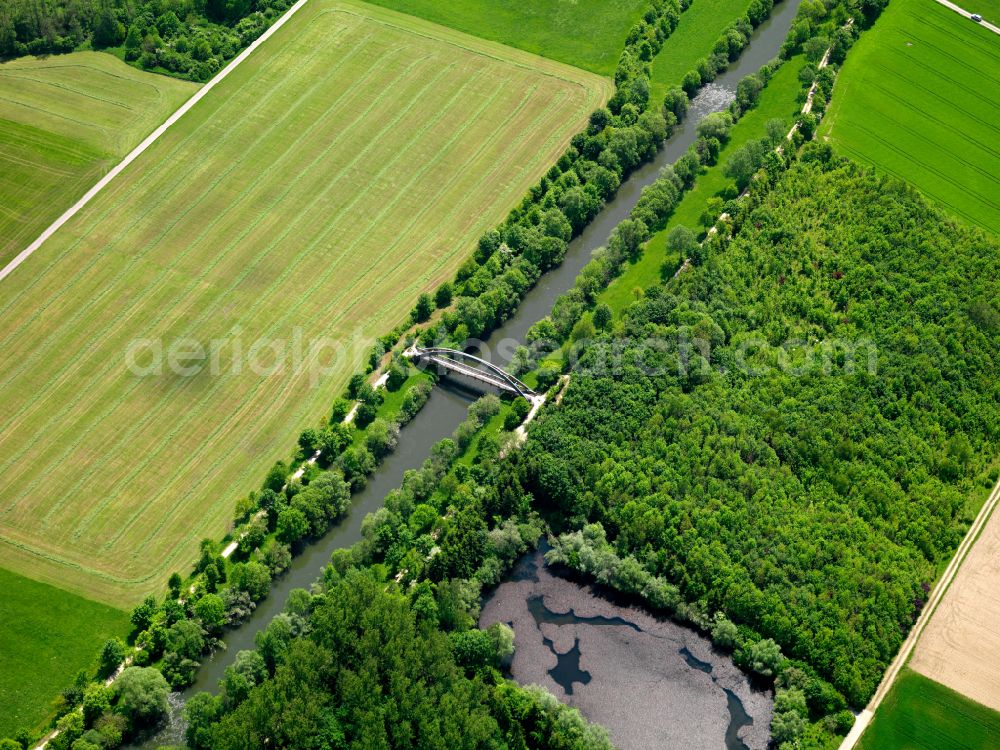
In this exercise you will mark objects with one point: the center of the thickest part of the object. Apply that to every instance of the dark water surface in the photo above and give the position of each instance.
(449, 402)
(651, 682)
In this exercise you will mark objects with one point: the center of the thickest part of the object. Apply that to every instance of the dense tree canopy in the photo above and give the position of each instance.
(376, 671)
(188, 38)
(793, 429)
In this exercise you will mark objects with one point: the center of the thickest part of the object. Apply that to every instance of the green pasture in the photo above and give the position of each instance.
(47, 635)
(918, 98)
(589, 34)
(920, 714)
(700, 27)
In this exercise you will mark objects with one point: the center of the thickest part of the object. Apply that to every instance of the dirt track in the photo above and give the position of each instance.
(960, 644)
(973, 561)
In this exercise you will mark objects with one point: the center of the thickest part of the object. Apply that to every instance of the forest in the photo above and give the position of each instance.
(790, 433)
(373, 668)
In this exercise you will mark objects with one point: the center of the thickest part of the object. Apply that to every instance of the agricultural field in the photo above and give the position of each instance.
(51, 643)
(920, 714)
(347, 166)
(918, 98)
(780, 99)
(966, 625)
(64, 122)
(589, 34)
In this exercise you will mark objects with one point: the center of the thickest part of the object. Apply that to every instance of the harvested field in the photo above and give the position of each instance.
(964, 630)
(348, 165)
(64, 121)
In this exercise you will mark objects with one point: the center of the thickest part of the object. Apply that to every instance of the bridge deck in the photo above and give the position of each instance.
(448, 360)
(473, 373)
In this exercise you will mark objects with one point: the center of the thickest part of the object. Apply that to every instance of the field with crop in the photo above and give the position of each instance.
(348, 165)
(918, 97)
(64, 122)
(920, 714)
(48, 636)
(589, 34)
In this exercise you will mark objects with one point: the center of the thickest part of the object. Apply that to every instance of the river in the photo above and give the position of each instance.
(447, 406)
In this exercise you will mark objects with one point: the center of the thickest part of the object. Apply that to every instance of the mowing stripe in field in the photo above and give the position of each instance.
(117, 323)
(186, 181)
(62, 125)
(919, 98)
(320, 188)
(149, 140)
(93, 422)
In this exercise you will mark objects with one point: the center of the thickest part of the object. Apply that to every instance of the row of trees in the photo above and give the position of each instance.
(619, 138)
(186, 38)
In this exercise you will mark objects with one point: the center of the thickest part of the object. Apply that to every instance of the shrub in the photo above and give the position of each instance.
(518, 411)
(142, 695)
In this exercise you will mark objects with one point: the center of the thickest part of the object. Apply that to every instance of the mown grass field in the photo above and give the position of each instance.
(589, 34)
(918, 97)
(699, 28)
(64, 121)
(348, 165)
(48, 635)
(778, 100)
(920, 714)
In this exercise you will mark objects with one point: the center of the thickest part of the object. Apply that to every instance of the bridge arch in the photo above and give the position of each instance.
(514, 384)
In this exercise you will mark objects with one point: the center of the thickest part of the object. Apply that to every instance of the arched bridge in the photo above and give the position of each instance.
(463, 363)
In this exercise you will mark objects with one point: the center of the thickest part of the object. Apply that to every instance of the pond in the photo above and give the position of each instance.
(650, 682)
